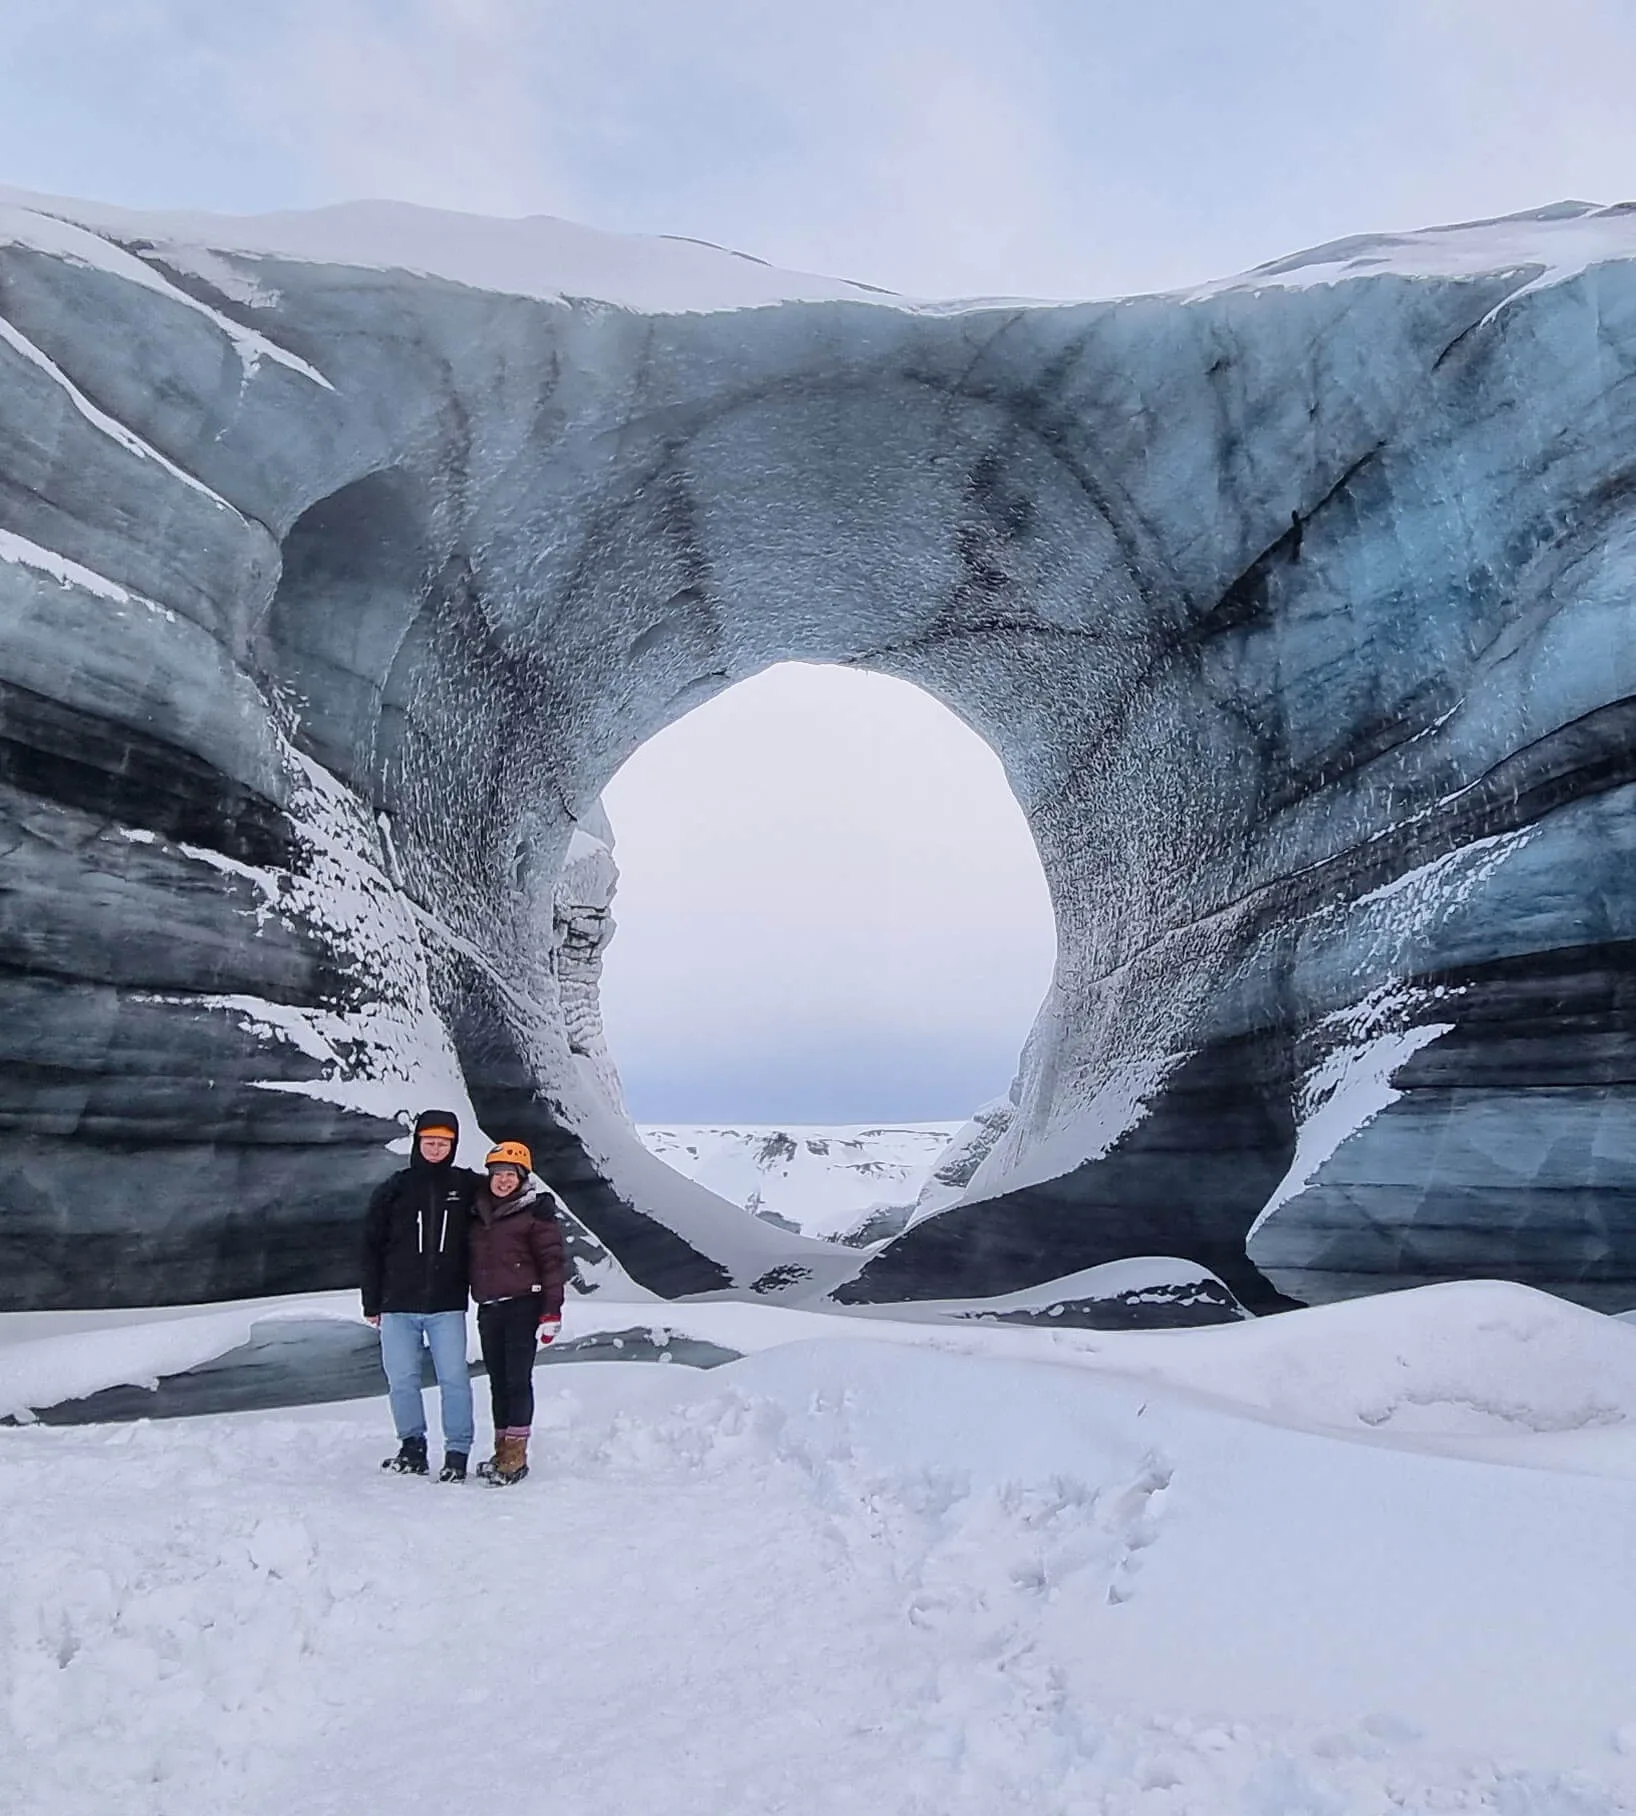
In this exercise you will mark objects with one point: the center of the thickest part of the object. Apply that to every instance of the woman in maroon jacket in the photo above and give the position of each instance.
(518, 1265)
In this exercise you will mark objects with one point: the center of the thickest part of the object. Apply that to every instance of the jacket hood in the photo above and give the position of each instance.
(434, 1119)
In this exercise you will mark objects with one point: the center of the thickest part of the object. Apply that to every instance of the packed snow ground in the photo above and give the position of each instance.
(926, 1572)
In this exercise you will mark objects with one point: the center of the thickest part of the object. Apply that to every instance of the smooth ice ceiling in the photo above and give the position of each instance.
(830, 908)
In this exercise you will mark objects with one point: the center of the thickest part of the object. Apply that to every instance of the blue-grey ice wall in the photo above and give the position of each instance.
(1299, 611)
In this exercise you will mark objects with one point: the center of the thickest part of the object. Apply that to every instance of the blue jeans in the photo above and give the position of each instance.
(404, 1337)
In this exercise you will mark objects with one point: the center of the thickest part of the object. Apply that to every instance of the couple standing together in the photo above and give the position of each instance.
(436, 1234)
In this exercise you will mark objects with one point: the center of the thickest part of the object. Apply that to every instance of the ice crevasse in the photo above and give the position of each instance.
(344, 556)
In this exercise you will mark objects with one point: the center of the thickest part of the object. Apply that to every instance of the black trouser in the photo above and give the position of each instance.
(508, 1330)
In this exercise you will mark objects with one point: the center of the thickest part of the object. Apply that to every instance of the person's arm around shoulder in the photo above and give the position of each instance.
(372, 1251)
(551, 1258)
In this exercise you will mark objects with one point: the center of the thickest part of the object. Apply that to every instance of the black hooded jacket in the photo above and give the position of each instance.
(415, 1248)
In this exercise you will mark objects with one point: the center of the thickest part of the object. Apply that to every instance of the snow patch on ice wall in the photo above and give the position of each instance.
(105, 424)
(1095, 1124)
(28, 554)
(39, 232)
(1350, 1086)
(393, 1056)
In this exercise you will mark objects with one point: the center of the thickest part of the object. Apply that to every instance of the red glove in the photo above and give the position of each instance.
(548, 1330)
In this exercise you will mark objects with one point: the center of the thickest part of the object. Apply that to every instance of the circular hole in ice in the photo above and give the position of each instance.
(830, 912)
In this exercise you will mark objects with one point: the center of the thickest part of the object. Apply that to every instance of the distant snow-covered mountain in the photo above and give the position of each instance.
(832, 1182)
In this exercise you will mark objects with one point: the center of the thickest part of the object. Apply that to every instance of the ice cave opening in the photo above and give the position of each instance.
(1296, 609)
(830, 909)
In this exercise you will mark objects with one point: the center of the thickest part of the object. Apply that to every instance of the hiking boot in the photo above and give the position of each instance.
(489, 1468)
(454, 1466)
(410, 1460)
(510, 1462)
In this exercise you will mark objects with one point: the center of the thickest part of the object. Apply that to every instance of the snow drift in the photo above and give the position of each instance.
(1032, 1571)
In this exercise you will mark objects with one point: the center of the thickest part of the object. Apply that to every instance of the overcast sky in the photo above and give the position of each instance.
(840, 848)
(830, 909)
(1053, 147)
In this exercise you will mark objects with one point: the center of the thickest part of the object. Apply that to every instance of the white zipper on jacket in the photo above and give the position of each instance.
(420, 1232)
(443, 1234)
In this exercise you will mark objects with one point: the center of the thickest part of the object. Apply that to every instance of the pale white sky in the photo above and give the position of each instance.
(1051, 147)
(1043, 147)
(828, 898)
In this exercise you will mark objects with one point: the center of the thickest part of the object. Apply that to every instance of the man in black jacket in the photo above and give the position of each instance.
(414, 1281)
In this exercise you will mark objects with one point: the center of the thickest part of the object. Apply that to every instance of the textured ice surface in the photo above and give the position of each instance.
(346, 556)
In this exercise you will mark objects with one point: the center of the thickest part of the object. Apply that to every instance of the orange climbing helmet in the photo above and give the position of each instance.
(511, 1154)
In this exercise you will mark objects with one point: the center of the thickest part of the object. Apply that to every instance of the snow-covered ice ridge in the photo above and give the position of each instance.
(1297, 607)
(536, 256)
(1355, 1560)
(552, 260)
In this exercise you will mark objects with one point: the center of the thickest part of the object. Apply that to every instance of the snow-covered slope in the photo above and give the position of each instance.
(537, 256)
(1579, 235)
(551, 260)
(900, 1570)
(822, 1180)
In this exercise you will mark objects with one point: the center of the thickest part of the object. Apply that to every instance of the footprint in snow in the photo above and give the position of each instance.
(1131, 1516)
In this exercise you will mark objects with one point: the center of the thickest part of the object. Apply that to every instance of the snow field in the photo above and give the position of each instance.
(824, 1178)
(840, 1576)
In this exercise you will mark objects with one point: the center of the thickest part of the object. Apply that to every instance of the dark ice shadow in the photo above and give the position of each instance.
(309, 1362)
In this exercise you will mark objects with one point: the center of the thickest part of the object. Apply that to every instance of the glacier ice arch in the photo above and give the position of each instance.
(344, 557)
(829, 910)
